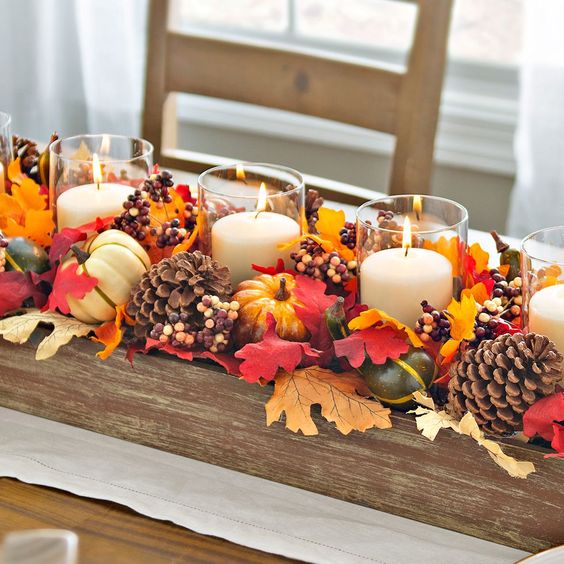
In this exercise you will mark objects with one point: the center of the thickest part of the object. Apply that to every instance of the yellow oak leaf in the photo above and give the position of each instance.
(27, 195)
(18, 329)
(371, 317)
(344, 400)
(462, 315)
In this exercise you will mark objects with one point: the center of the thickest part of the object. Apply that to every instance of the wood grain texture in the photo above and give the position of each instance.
(402, 103)
(195, 410)
(111, 533)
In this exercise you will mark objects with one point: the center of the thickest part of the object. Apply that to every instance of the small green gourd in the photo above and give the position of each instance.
(508, 256)
(393, 382)
(25, 255)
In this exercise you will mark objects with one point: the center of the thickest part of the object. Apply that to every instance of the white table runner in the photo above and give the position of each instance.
(215, 501)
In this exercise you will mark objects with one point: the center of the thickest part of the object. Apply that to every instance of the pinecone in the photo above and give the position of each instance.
(313, 202)
(501, 378)
(172, 285)
(28, 153)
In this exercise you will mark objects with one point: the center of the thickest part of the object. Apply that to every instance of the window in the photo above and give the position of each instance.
(479, 101)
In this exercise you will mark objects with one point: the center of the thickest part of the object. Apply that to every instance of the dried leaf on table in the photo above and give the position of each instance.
(379, 343)
(68, 282)
(343, 399)
(18, 329)
(263, 359)
(430, 422)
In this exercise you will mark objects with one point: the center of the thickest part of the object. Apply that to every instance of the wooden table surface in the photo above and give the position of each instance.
(113, 534)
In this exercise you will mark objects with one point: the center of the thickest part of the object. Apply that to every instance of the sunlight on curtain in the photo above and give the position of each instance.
(538, 196)
(74, 66)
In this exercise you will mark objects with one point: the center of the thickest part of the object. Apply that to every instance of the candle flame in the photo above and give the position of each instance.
(96, 170)
(240, 172)
(417, 206)
(105, 145)
(261, 202)
(406, 239)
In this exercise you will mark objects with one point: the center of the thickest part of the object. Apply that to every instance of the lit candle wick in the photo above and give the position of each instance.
(96, 170)
(406, 239)
(261, 202)
(417, 207)
(240, 173)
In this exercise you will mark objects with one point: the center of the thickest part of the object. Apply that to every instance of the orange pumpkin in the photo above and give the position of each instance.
(268, 294)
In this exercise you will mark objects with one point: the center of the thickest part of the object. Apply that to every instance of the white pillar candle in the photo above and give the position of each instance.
(84, 204)
(242, 239)
(397, 283)
(546, 314)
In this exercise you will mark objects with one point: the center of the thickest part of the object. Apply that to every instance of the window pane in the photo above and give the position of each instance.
(375, 23)
(486, 30)
(259, 15)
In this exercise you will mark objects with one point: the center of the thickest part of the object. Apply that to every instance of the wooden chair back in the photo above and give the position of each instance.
(405, 104)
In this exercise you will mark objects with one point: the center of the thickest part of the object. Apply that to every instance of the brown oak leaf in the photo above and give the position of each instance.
(344, 400)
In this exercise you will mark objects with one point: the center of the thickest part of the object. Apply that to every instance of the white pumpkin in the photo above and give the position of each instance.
(117, 261)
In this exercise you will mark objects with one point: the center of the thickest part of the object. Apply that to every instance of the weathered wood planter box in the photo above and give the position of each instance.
(196, 411)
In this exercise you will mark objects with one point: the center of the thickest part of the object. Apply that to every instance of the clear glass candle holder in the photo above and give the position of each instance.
(5, 147)
(240, 228)
(91, 176)
(542, 267)
(410, 248)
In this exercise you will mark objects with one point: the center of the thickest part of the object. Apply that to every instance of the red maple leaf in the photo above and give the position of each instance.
(231, 364)
(312, 293)
(98, 225)
(353, 309)
(558, 440)
(15, 288)
(62, 243)
(68, 282)
(539, 418)
(263, 359)
(272, 270)
(183, 190)
(379, 344)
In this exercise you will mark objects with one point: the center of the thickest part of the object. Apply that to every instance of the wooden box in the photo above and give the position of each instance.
(197, 411)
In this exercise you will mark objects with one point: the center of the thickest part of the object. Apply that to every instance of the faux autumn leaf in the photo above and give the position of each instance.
(558, 440)
(110, 334)
(450, 248)
(15, 288)
(462, 317)
(379, 343)
(374, 316)
(15, 173)
(539, 418)
(68, 282)
(430, 422)
(10, 209)
(18, 329)
(329, 225)
(342, 397)
(475, 265)
(62, 242)
(312, 293)
(272, 270)
(480, 291)
(27, 195)
(263, 359)
(37, 225)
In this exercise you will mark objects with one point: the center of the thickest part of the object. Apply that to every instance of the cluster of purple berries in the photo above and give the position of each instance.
(214, 334)
(169, 233)
(433, 324)
(311, 260)
(135, 217)
(348, 235)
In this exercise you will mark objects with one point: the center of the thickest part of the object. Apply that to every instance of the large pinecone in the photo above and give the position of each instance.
(501, 378)
(174, 285)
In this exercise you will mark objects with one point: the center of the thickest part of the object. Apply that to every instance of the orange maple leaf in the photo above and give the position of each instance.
(186, 245)
(15, 173)
(343, 399)
(449, 248)
(479, 292)
(329, 225)
(27, 195)
(462, 316)
(371, 317)
(110, 333)
(481, 257)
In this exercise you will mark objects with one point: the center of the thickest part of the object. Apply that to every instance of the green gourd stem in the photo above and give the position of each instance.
(336, 320)
(81, 256)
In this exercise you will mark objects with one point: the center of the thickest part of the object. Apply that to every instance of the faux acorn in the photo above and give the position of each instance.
(24, 255)
(508, 256)
(393, 382)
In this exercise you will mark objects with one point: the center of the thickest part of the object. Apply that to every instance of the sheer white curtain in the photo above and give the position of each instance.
(538, 197)
(75, 66)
